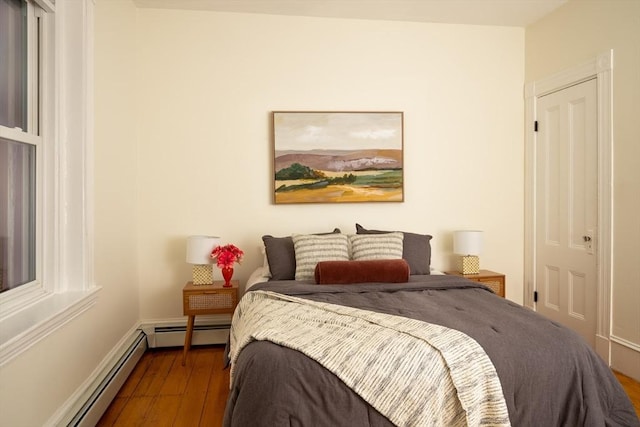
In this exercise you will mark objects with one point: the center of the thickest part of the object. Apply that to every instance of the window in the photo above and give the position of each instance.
(46, 116)
(17, 204)
(19, 141)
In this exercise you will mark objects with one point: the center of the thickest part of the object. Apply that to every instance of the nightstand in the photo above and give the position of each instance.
(491, 279)
(206, 299)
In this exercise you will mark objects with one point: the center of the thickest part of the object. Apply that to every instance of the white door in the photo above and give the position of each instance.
(566, 207)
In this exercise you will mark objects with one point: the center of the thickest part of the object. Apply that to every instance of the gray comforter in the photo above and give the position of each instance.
(549, 375)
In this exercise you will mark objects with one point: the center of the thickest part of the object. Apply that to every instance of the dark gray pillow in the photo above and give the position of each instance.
(416, 249)
(282, 256)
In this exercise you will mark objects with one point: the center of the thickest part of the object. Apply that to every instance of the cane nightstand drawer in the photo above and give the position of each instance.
(497, 286)
(209, 299)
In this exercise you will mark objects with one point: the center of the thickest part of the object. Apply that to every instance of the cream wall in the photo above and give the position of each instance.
(575, 33)
(208, 81)
(37, 386)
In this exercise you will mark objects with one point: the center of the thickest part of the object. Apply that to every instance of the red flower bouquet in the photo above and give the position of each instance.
(225, 257)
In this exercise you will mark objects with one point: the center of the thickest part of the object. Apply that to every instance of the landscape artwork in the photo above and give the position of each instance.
(338, 157)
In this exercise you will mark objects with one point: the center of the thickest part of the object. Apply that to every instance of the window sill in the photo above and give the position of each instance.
(23, 329)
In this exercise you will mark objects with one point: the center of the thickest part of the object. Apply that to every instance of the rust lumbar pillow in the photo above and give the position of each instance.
(347, 272)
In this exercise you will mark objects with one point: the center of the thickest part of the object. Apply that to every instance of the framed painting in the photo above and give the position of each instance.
(338, 157)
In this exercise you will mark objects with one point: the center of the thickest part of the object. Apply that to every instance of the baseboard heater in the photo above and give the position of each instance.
(98, 402)
(173, 336)
(149, 336)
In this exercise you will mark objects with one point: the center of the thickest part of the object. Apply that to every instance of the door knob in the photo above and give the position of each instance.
(587, 238)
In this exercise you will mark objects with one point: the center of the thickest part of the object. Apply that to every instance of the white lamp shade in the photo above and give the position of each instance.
(199, 249)
(467, 242)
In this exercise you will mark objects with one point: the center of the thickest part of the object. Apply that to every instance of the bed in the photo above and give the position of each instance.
(432, 349)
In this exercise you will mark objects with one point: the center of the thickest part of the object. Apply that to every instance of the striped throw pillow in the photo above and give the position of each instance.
(310, 249)
(376, 246)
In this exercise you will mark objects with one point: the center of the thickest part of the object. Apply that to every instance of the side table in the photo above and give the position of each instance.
(206, 299)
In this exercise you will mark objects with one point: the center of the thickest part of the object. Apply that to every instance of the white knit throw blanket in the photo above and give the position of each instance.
(414, 373)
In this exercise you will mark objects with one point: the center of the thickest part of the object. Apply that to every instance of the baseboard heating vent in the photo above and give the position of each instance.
(165, 329)
(98, 402)
(173, 336)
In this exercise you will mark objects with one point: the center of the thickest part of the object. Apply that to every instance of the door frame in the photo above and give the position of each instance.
(600, 68)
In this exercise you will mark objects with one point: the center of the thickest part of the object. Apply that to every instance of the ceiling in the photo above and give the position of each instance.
(512, 13)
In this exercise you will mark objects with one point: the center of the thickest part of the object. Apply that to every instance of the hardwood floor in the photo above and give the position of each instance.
(162, 392)
(632, 388)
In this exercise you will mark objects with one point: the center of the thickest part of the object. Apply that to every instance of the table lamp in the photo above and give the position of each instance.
(199, 254)
(468, 243)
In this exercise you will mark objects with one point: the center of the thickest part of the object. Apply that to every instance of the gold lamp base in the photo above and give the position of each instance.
(202, 274)
(470, 264)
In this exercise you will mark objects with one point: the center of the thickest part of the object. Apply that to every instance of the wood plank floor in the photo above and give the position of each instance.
(632, 388)
(162, 392)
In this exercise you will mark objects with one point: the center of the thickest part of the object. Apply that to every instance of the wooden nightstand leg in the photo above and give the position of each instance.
(187, 339)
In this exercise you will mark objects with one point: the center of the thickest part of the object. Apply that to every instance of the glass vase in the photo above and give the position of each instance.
(227, 274)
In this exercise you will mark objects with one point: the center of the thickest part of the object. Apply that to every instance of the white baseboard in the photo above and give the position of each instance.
(625, 358)
(87, 405)
(93, 397)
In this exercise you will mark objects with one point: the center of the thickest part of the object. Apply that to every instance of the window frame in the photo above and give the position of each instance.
(64, 286)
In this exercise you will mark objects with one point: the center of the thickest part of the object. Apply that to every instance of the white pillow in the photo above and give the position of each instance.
(259, 275)
(310, 249)
(376, 246)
